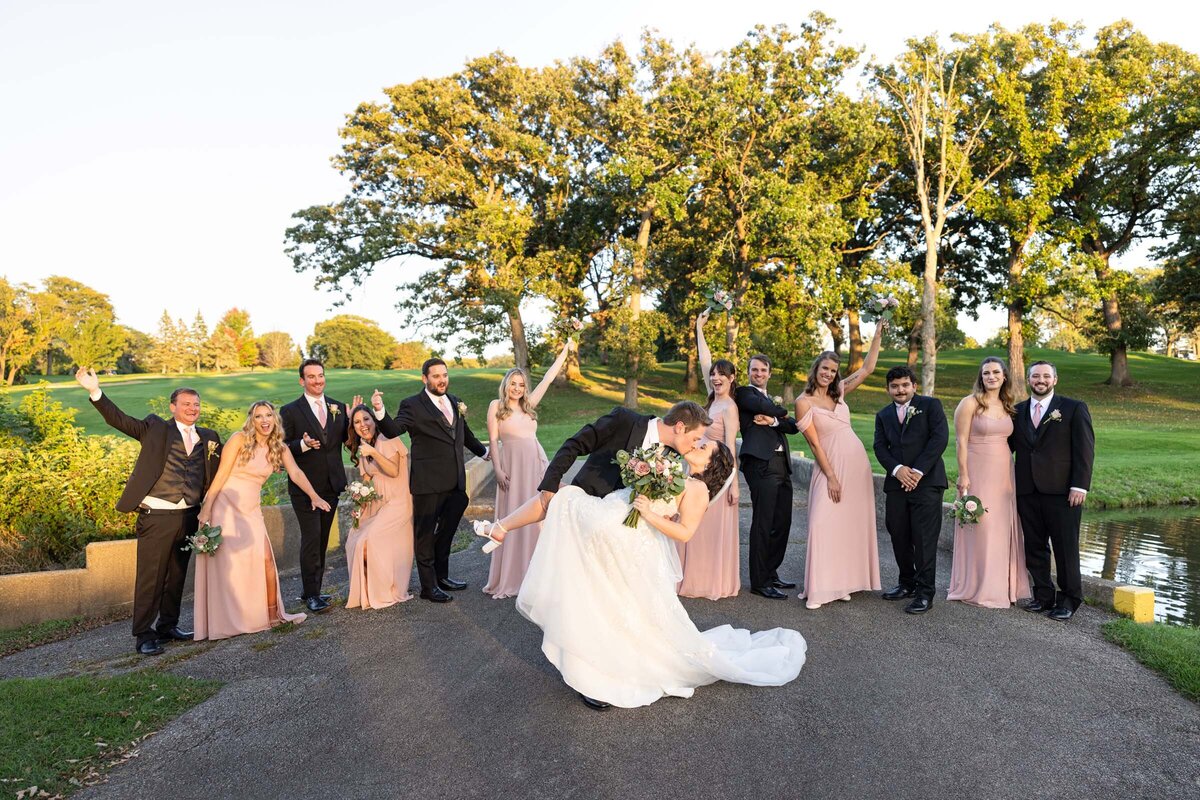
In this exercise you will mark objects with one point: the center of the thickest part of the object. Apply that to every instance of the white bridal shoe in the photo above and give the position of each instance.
(484, 528)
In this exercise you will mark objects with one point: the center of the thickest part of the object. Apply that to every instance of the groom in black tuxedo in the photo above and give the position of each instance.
(1055, 446)
(436, 424)
(767, 465)
(174, 468)
(314, 429)
(910, 436)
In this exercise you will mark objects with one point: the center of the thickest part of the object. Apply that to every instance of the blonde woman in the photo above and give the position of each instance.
(519, 462)
(237, 587)
(989, 556)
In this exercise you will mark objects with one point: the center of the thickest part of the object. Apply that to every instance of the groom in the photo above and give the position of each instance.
(1055, 446)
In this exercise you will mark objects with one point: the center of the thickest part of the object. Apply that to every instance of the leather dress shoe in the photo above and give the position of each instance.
(175, 634)
(918, 606)
(328, 598)
(451, 585)
(1036, 606)
(769, 592)
(1062, 613)
(150, 648)
(898, 593)
(436, 595)
(595, 705)
(316, 605)
(782, 584)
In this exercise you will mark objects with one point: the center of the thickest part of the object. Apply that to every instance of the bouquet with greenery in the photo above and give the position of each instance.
(360, 495)
(968, 509)
(651, 472)
(881, 308)
(718, 300)
(204, 541)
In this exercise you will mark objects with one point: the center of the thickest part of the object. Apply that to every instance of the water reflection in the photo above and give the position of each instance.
(1154, 547)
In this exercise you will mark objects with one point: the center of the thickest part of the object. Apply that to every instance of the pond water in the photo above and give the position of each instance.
(1154, 547)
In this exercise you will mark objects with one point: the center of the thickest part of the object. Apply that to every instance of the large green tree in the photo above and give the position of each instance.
(350, 342)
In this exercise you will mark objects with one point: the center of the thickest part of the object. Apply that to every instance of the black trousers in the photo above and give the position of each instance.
(1048, 520)
(435, 520)
(161, 569)
(770, 485)
(914, 521)
(314, 541)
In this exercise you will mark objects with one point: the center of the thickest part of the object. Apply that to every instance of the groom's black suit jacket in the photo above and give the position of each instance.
(153, 432)
(918, 444)
(619, 429)
(762, 441)
(1056, 455)
(322, 465)
(436, 461)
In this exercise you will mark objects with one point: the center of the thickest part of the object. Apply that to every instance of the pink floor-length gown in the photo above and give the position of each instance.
(379, 552)
(989, 557)
(843, 552)
(711, 559)
(237, 587)
(523, 460)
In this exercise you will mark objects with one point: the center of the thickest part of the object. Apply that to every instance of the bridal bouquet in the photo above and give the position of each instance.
(719, 300)
(360, 496)
(567, 328)
(882, 308)
(650, 472)
(205, 540)
(967, 509)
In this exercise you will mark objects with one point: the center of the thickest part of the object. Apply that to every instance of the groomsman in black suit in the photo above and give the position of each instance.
(910, 436)
(1055, 446)
(436, 424)
(174, 468)
(767, 465)
(314, 429)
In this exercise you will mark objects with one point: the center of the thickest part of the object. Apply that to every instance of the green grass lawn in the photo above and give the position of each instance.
(1172, 650)
(1147, 436)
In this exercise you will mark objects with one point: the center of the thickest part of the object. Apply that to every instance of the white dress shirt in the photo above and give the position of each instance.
(651, 437)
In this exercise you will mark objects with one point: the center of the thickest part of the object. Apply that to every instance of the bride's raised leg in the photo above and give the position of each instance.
(531, 511)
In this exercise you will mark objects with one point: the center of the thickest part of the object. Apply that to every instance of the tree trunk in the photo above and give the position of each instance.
(1016, 349)
(835, 333)
(856, 343)
(635, 305)
(928, 309)
(741, 269)
(914, 345)
(789, 394)
(570, 370)
(1110, 309)
(692, 383)
(516, 328)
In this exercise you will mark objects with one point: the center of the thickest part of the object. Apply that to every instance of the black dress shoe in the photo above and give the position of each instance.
(769, 592)
(150, 648)
(175, 634)
(436, 595)
(899, 593)
(1036, 606)
(782, 584)
(328, 598)
(918, 606)
(316, 605)
(1062, 614)
(451, 585)
(596, 705)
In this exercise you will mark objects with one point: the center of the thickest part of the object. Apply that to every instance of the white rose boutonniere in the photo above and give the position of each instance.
(1055, 416)
(211, 448)
(462, 408)
(777, 400)
(912, 412)
(334, 410)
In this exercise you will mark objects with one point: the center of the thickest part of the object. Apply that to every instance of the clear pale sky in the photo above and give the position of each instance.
(156, 151)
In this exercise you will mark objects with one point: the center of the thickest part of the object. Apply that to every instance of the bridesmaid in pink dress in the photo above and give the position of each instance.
(379, 552)
(519, 463)
(711, 559)
(237, 587)
(843, 551)
(989, 556)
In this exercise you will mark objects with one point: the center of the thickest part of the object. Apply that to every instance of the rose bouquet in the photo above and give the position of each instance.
(204, 541)
(567, 328)
(881, 308)
(652, 473)
(967, 509)
(360, 496)
(718, 300)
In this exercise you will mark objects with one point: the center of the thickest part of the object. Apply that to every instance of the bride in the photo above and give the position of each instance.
(604, 596)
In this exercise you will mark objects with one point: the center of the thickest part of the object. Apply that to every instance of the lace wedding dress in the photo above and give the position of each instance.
(604, 597)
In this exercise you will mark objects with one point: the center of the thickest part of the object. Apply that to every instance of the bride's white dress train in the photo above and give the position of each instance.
(604, 597)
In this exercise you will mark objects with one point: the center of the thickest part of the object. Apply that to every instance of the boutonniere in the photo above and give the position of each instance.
(912, 412)
(777, 400)
(462, 408)
(212, 448)
(1055, 416)
(334, 410)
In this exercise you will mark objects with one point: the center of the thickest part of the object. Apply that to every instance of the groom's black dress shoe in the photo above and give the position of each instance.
(150, 648)
(899, 593)
(1062, 614)
(175, 634)
(769, 592)
(316, 605)
(1037, 606)
(596, 705)
(451, 585)
(918, 606)
(436, 595)
(782, 584)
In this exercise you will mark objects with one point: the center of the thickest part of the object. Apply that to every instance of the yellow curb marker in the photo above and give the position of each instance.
(1136, 602)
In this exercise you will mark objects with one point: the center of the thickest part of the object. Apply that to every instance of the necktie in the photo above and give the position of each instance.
(322, 414)
(900, 411)
(1037, 414)
(189, 439)
(445, 404)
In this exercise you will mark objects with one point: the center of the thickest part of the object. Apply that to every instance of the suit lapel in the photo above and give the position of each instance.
(1022, 422)
(1046, 421)
(637, 434)
(439, 418)
(306, 409)
(891, 422)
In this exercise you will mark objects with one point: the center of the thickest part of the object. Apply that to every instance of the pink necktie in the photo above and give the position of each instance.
(322, 415)
(900, 413)
(1037, 414)
(188, 441)
(445, 404)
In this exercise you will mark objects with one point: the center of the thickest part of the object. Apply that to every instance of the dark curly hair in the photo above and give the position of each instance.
(718, 469)
(353, 440)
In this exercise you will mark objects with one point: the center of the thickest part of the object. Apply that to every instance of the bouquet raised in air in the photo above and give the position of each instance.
(205, 540)
(651, 472)
(360, 496)
(568, 328)
(881, 308)
(719, 300)
(967, 509)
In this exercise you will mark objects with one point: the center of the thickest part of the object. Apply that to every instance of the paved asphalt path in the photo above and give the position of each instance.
(456, 701)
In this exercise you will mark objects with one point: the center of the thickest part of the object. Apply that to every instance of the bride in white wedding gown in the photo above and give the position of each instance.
(604, 597)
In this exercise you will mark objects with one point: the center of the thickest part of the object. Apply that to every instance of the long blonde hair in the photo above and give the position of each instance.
(1005, 393)
(504, 412)
(275, 446)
